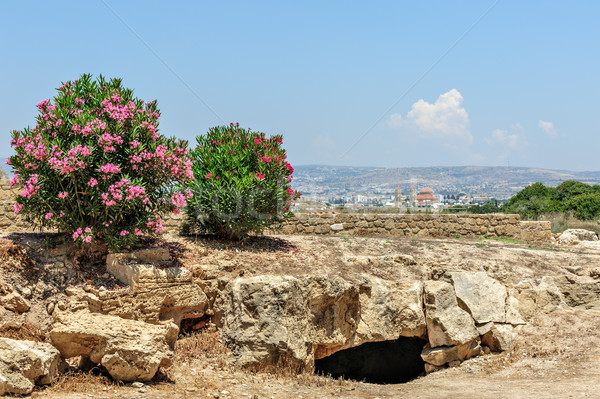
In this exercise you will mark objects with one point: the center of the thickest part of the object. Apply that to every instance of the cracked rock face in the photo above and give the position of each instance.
(24, 364)
(130, 350)
(266, 318)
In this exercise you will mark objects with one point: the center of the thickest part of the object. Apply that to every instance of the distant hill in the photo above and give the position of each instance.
(498, 182)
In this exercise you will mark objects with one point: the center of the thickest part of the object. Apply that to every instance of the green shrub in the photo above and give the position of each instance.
(585, 206)
(96, 167)
(242, 182)
(531, 202)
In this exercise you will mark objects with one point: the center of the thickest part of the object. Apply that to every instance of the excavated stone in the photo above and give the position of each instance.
(126, 269)
(269, 318)
(480, 295)
(499, 338)
(15, 302)
(24, 364)
(130, 350)
(447, 323)
(574, 236)
(441, 355)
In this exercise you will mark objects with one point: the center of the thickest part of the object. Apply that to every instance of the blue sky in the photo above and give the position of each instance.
(521, 88)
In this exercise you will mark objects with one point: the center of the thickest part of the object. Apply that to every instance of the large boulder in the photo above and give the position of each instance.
(447, 323)
(574, 236)
(24, 364)
(130, 350)
(267, 319)
(482, 296)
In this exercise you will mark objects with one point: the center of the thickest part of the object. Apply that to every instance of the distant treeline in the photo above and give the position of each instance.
(580, 199)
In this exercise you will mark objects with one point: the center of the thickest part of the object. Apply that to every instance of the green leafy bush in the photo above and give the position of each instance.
(531, 202)
(585, 206)
(96, 167)
(242, 182)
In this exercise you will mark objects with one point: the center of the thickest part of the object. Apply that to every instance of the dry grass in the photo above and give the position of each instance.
(563, 221)
(202, 345)
(21, 331)
(81, 382)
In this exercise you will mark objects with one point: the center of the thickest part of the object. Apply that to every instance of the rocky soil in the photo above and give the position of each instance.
(555, 353)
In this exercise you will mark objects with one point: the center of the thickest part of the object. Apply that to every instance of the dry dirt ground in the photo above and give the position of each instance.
(556, 355)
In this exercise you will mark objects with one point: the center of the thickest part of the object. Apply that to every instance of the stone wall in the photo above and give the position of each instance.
(397, 225)
(9, 221)
(420, 225)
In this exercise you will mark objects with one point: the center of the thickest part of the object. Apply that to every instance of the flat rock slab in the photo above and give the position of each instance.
(482, 296)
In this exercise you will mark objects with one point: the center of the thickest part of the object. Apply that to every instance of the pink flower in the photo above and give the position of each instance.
(75, 235)
(138, 232)
(18, 208)
(124, 233)
(109, 168)
(63, 194)
(92, 182)
(208, 175)
(88, 239)
(14, 180)
(260, 175)
(88, 230)
(49, 215)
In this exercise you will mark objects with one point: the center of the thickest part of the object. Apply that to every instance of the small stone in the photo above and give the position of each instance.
(15, 302)
(454, 363)
(430, 368)
(50, 308)
(137, 384)
(105, 275)
(224, 392)
(486, 349)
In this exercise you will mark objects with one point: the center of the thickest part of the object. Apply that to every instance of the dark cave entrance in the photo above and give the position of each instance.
(387, 362)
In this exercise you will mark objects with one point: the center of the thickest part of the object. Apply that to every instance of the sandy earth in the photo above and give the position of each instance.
(556, 354)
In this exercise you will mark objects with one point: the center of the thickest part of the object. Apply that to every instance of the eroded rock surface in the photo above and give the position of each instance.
(267, 318)
(130, 350)
(24, 364)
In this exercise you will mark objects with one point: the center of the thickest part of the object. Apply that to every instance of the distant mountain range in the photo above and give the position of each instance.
(498, 182)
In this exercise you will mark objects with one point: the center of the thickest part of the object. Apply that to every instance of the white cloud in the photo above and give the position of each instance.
(503, 138)
(323, 144)
(446, 119)
(548, 128)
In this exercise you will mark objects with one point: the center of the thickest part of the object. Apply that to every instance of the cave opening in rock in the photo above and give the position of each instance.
(193, 325)
(386, 362)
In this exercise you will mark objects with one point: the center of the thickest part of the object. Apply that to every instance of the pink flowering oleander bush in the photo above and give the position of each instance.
(242, 182)
(96, 167)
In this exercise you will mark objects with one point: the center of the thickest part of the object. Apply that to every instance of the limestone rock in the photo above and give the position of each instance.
(337, 226)
(482, 296)
(155, 303)
(512, 313)
(269, 318)
(128, 269)
(129, 349)
(447, 323)
(532, 298)
(15, 302)
(573, 236)
(499, 338)
(24, 364)
(389, 310)
(441, 355)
